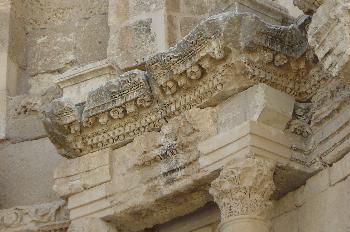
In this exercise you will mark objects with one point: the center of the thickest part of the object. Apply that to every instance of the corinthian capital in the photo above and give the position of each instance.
(244, 188)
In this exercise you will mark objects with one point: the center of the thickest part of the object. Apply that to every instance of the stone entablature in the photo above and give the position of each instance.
(50, 217)
(166, 174)
(222, 56)
(152, 141)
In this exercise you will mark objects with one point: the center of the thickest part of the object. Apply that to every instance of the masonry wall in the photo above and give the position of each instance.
(39, 39)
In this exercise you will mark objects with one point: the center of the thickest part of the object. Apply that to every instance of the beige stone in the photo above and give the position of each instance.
(146, 131)
(26, 173)
(340, 170)
(259, 103)
(91, 225)
(43, 217)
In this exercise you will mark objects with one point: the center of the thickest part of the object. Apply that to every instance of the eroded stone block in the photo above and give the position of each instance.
(23, 164)
(90, 225)
(135, 42)
(55, 49)
(259, 103)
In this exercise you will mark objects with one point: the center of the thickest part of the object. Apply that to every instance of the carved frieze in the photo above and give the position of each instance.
(45, 217)
(222, 56)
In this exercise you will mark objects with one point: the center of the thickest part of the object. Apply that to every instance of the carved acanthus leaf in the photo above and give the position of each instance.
(244, 188)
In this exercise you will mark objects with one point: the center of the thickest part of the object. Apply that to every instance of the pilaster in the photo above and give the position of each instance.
(242, 192)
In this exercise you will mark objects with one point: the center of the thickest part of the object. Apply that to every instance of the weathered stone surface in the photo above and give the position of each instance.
(74, 176)
(44, 217)
(329, 36)
(23, 119)
(308, 6)
(244, 188)
(55, 49)
(132, 44)
(91, 225)
(340, 170)
(327, 211)
(208, 70)
(261, 103)
(26, 171)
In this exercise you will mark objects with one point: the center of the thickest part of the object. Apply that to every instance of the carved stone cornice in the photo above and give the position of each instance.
(222, 56)
(244, 188)
(41, 218)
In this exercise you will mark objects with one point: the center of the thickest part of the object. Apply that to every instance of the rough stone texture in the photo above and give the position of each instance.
(48, 217)
(308, 6)
(244, 188)
(262, 103)
(23, 119)
(91, 225)
(162, 150)
(160, 24)
(26, 171)
(54, 49)
(329, 36)
(203, 69)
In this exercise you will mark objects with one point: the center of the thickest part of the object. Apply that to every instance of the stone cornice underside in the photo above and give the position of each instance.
(222, 56)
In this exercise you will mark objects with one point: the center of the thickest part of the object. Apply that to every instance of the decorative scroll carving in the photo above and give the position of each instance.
(225, 54)
(45, 217)
(244, 188)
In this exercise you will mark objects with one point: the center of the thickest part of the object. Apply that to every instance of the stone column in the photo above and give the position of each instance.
(242, 192)
(91, 225)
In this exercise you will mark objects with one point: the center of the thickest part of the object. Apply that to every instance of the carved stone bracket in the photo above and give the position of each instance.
(242, 192)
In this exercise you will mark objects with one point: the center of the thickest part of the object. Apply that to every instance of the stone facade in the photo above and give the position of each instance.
(174, 115)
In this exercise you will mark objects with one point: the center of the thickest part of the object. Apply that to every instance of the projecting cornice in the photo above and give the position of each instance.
(222, 56)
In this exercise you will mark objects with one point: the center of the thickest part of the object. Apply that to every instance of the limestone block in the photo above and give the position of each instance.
(4, 28)
(79, 165)
(195, 7)
(78, 82)
(134, 42)
(26, 173)
(292, 9)
(50, 13)
(90, 225)
(73, 184)
(287, 222)
(187, 24)
(23, 119)
(328, 211)
(340, 170)
(205, 218)
(259, 103)
(54, 49)
(316, 184)
(88, 196)
(139, 7)
(3, 114)
(267, 10)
